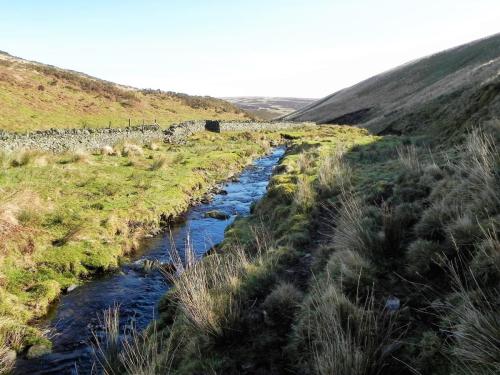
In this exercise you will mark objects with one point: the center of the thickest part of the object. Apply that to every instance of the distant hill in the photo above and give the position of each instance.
(268, 108)
(441, 93)
(37, 96)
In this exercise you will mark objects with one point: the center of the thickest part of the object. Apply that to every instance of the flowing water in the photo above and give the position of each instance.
(77, 314)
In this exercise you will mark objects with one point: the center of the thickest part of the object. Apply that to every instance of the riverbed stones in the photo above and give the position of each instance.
(38, 350)
(9, 357)
(71, 288)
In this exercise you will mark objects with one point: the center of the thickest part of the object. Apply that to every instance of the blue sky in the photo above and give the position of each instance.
(307, 48)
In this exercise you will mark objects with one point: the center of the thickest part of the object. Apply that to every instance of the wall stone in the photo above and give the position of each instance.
(60, 140)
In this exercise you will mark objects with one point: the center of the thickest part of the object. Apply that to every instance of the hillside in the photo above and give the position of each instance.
(268, 108)
(441, 93)
(37, 96)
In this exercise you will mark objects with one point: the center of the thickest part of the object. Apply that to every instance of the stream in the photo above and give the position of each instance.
(76, 315)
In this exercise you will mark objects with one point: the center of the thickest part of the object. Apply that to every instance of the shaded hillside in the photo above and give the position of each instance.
(36, 96)
(268, 108)
(438, 93)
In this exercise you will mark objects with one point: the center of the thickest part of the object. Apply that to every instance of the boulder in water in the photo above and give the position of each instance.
(219, 215)
(37, 350)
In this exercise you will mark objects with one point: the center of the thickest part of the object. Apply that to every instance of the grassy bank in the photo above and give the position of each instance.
(65, 217)
(368, 255)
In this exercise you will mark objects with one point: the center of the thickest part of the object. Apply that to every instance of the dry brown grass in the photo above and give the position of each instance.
(107, 150)
(130, 149)
(80, 156)
(304, 193)
(305, 163)
(408, 157)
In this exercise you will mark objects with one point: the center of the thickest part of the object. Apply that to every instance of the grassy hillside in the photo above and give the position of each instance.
(436, 95)
(269, 108)
(34, 96)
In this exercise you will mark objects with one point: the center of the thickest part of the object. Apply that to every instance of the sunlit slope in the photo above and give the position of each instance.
(35, 96)
(439, 93)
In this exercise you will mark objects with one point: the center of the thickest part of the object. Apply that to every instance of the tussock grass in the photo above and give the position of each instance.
(107, 150)
(23, 157)
(408, 157)
(334, 175)
(206, 291)
(343, 337)
(80, 156)
(130, 149)
(304, 193)
(131, 352)
(474, 326)
(161, 162)
(153, 145)
(281, 304)
(305, 162)
(349, 230)
(477, 167)
(351, 272)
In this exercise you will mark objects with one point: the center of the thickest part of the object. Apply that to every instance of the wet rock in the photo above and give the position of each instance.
(9, 357)
(392, 303)
(71, 288)
(207, 198)
(38, 350)
(215, 214)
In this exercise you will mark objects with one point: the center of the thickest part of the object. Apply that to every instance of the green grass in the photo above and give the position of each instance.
(64, 217)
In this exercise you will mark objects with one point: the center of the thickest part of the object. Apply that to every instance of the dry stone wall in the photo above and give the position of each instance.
(60, 140)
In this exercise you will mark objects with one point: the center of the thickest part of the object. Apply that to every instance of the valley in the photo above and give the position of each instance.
(356, 234)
